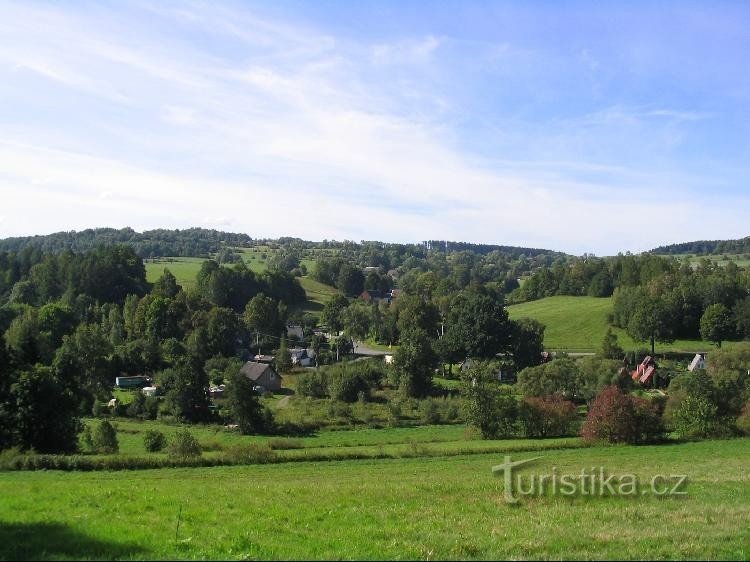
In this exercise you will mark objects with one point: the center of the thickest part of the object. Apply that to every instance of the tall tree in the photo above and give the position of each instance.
(45, 412)
(717, 324)
(243, 406)
(652, 321)
(414, 363)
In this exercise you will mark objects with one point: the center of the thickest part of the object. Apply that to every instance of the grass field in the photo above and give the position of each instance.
(185, 271)
(417, 508)
(580, 323)
(742, 260)
(317, 294)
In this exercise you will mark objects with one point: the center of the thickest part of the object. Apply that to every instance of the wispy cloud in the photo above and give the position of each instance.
(213, 115)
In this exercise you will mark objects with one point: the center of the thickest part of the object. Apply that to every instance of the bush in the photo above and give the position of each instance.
(743, 422)
(696, 418)
(428, 412)
(137, 408)
(548, 416)
(98, 409)
(284, 443)
(184, 446)
(312, 384)
(250, 453)
(340, 410)
(104, 439)
(154, 441)
(618, 417)
(345, 384)
(489, 407)
(86, 439)
(561, 375)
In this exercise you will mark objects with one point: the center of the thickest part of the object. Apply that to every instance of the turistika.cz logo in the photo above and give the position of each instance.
(590, 481)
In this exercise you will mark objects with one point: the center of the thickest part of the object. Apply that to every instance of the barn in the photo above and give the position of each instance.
(262, 374)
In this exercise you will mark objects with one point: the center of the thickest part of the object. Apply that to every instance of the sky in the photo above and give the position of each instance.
(584, 127)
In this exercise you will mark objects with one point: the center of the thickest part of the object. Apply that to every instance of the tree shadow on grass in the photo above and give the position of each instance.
(45, 541)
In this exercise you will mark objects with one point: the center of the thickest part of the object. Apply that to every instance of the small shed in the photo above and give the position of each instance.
(262, 374)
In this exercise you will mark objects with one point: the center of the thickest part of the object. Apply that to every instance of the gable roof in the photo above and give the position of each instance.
(254, 371)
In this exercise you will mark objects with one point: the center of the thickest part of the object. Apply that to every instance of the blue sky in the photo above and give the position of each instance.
(582, 127)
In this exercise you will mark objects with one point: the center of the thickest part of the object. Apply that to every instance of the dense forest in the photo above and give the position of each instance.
(191, 242)
(705, 247)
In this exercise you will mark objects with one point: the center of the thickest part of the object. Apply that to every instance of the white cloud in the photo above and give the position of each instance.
(285, 134)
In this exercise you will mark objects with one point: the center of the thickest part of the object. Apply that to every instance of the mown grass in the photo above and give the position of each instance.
(216, 438)
(411, 508)
(580, 323)
(185, 270)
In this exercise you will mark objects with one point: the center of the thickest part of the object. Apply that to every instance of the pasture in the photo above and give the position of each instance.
(185, 271)
(427, 507)
(578, 324)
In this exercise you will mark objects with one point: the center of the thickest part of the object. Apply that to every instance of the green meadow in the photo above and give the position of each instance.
(427, 507)
(185, 271)
(578, 324)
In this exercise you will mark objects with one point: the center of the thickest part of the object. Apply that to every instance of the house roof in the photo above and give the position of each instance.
(254, 371)
(696, 363)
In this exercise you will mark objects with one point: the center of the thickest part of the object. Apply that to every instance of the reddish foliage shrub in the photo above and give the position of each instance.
(618, 417)
(547, 416)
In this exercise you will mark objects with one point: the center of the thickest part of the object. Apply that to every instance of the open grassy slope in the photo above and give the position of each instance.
(185, 271)
(419, 508)
(580, 323)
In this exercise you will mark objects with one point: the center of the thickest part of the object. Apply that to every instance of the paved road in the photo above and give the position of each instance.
(362, 349)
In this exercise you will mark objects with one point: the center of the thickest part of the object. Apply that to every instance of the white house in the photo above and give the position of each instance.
(698, 362)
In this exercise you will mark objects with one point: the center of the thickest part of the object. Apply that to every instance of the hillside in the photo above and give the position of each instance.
(702, 247)
(579, 324)
(191, 242)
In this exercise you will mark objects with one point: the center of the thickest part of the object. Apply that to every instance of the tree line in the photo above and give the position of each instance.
(71, 323)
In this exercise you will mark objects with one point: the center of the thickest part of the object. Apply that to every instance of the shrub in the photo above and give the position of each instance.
(183, 445)
(561, 375)
(428, 412)
(282, 443)
(98, 409)
(154, 441)
(86, 439)
(696, 418)
(342, 410)
(394, 412)
(743, 422)
(618, 417)
(312, 384)
(250, 453)
(137, 408)
(151, 408)
(489, 407)
(104, 438)
(549, 416)
(345, 383)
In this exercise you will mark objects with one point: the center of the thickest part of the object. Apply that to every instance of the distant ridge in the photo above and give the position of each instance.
(739, 246)
(200, 242)
(190, 242)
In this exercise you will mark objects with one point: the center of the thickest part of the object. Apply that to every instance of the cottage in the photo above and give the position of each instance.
(371, 296)
(698, 362)
(295, 332)
(302, 357)
(645, 371)
(262, 374)
(267, 359)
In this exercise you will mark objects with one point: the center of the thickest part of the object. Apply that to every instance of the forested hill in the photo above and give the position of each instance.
(191, 242)
(740, 246)
(484, 249)
(200, 242)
